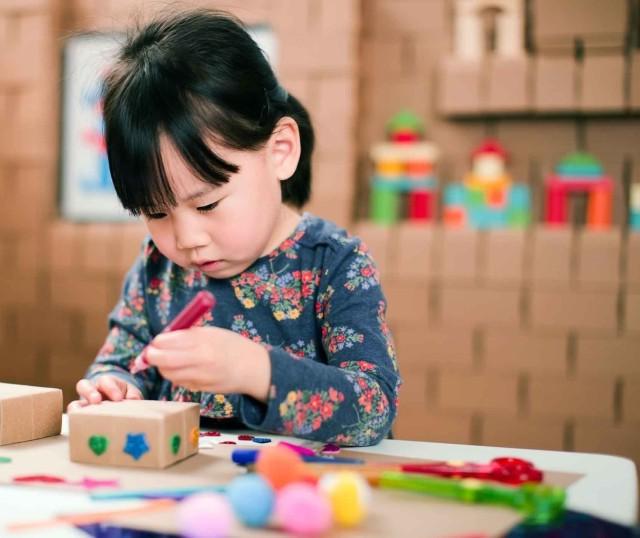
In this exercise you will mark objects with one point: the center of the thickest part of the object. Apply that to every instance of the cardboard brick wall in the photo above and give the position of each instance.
(28, 412)
(134, 433)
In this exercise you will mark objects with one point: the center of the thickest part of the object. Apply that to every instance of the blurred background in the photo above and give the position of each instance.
(487, 151)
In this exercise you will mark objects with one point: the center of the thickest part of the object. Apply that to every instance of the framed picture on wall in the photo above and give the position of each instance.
(86, 190)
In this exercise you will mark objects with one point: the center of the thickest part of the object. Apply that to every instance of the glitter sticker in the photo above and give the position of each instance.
(98, 444)
(136, 445)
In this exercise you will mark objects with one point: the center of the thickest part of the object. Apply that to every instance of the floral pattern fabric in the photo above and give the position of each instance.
(316, 305)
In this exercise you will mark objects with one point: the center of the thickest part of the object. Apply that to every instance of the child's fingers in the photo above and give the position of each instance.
(172, 340)
(132, 393)
(88, 391)
(166, 358)
(113, 388)
(77, 404)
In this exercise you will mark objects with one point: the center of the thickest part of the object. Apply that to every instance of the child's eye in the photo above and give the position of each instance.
(208, 207)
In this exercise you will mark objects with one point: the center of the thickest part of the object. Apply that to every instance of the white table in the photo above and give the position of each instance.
(608, 488)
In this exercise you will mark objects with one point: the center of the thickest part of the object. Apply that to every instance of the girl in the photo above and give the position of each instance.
(215, 156)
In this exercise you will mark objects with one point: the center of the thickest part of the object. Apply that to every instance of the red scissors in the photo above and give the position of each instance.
(505, 470)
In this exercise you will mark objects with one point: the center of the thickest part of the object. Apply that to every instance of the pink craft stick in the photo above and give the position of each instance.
(302, 450)
(202, 303)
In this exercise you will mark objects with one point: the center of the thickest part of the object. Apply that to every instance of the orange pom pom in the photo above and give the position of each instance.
(280, 466)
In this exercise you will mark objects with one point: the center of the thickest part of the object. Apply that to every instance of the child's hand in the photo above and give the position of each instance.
(105, 387)
(212, 359)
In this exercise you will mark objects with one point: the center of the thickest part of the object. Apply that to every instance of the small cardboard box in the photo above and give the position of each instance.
(134, 433)
(28, 413)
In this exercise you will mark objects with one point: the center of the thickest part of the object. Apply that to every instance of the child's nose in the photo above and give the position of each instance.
(189, 236)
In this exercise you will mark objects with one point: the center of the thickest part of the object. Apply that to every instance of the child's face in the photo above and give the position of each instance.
(220, 230)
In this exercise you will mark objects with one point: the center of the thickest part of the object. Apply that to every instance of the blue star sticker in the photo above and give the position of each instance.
(136, 445)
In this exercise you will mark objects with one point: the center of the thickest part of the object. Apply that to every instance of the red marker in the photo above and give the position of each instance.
(202, 303)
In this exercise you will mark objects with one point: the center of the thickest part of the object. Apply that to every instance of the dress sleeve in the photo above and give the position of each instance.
(352, 398)
(128, 332)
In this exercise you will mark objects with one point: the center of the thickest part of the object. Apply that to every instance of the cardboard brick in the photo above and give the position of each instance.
(65, 245)
(600, 436)
(520, 432)
(555, 81)
(418, 345)
(417, 423)
(508, 85)
(334, 178)
(378, 239)
(525, 352)
(383, 58)
(130, 244)
(28, 412)
(504, 257)
(634, 82)
(615, 356)
(632, 312)
(603, 79)
(415, 251)
(27, 369)
(80, 292)
(457, 255)
(409, 301)
(591, 20)
(402, 17)
(574, 310)
(631, 399)
(461, 88)
(21, 289)
(328, 207)
(632, 261)
(461, 390)
(551, 257)
(598, 258)
(413, 390)
(479, 307)
(134, 433)
(590, 397)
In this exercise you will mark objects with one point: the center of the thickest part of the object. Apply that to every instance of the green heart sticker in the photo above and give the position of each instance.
(98, 444)
(175, 444)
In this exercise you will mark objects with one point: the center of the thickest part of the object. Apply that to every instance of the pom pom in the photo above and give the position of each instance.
(252, 499)
(349, 496)
(280, 466)
(205, 515)
(302, 511)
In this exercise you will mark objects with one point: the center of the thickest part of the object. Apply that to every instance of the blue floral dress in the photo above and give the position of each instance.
(315, 303)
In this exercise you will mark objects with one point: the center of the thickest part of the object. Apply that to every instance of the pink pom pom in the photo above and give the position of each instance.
(302, 511)
(205, 515)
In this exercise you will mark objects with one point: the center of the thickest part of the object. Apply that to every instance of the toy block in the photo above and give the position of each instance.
(600, 436)
(378, 239)
(409, 301)
(525, 352)
(592, 21)
(508, 87)
(504, 256)
(632, 265)
(555, 84)
(603, 78)
(608, 356)
(634, 82)
(631, 399)
(457, 255)
(433, 347)
(134, 433)
(551, 258)
(459, 390)
(598, 258)
(418, 423)
(28, 413)
(415, 252)
(583, 397)
(479, 307)
(542, 434)
(632, 312)
(558, 310)
(460, 87)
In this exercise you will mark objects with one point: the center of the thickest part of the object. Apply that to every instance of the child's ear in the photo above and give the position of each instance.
(284, 148)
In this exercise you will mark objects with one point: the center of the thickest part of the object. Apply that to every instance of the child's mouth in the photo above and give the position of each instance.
(208, 265)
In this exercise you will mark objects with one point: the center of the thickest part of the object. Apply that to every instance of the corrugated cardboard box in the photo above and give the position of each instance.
(28, 412)
(134, 433)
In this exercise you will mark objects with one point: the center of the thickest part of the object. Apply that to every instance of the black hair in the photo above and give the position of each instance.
(194, 77)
